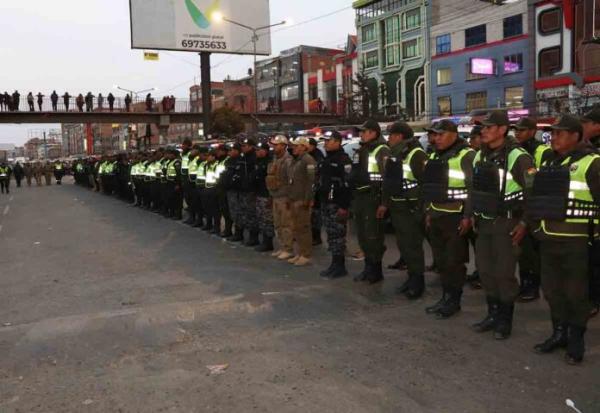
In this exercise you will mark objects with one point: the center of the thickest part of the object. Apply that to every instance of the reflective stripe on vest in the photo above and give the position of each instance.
(457, 187)
(211, 175)
(373, 165)
(192, 166)
(538, 155)
(513, 190)
(579, 190)
(185, 161)
(171, 171)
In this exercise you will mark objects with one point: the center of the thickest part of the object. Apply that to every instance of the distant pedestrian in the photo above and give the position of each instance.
(111, 101)
(8, 102)
(79, 101)
(16, 100)
(172, 103)
(19, 173)
(149, 101)
(89, 102)
(164, 104)
(127, 102)
(66, 98)
(4, 177)
(2, 102)
(100, 101)
(30, 101)
(40, 100)
(54, 100)
(28, 171)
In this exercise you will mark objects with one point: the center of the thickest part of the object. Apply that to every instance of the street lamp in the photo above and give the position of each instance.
(218, 16)
(133, 92)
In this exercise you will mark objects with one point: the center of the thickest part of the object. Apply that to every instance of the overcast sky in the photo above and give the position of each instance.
(81, 45)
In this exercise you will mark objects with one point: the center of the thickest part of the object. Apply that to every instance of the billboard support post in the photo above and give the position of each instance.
(206, 92)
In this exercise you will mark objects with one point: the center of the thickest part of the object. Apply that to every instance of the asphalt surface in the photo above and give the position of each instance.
(108, 308)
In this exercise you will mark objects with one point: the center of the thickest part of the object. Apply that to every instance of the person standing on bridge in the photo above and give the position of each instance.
(7, 102)
(40, 100)
(2, 102)
(111, 101)
(149, 102)
(54, 100)
(100, 101)
(16, 100)
(79, 102)
(66, 99)
(127, 101)
(30, 101)
(89, 102)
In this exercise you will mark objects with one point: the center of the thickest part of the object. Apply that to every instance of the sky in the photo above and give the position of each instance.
(85, 45)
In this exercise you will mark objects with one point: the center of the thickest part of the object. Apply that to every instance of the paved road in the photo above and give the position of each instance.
(107, 308)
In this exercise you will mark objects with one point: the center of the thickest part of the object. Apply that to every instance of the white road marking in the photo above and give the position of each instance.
(6, 209)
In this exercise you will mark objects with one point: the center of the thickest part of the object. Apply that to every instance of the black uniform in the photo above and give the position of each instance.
(333, 194)
(316, 222)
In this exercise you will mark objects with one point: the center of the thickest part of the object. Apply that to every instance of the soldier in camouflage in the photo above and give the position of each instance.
(264, 202)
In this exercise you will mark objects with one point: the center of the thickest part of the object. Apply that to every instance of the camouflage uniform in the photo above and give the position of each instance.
(264, 208)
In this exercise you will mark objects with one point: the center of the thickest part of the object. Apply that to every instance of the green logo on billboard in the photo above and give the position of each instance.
(201, 19)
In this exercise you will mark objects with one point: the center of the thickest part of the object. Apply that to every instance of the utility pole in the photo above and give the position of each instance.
(206, 92)
(45, 147)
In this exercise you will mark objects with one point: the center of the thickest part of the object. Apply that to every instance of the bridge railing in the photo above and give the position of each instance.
(45, 104)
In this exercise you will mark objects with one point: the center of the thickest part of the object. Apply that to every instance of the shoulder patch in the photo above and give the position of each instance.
(531, 171)
(574, 167)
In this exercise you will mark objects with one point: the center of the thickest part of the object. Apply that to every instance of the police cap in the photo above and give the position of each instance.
(401, 127)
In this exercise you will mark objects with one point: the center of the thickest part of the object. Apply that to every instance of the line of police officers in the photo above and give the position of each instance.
(522, 201)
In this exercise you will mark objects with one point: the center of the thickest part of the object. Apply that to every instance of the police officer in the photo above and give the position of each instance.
(591, 133)
(210, 201)
(473, 279)
(224, 163)
(301, 175)
(529, 261)
(334, 197)
(247, 194)
(186, 186)
(503, 171)
(193, 157)
(403, 171)
(264, 202)
(316, 222)
(4, 177)
(566, 200)
(173, 186)
(445, 187)
(366, 178)
(231, 176)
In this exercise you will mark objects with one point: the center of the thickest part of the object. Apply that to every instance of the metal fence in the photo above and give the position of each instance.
(45, 104)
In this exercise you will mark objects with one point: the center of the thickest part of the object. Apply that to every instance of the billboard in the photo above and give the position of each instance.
(187, 25)
(483, 66)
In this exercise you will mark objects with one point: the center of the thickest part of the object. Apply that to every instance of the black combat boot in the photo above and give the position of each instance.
(365, 272)
(252, 239)
(208, 226)
(198, 222)
(227, 232)
(376, 274)
(489, 322)
(432, 309)
(530, 286)
(416, 286)
(451, 306)
(503, 327)
(403, 287)
(474, 280)
(558, 339)
(238, 236)
(316, 237)
(325, 273)
(191, 218)
(339, 267)
(398, 265)
(266, 244)
(576, 345)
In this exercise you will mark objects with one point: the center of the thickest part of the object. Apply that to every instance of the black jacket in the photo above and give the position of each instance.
(260, 175)
(333, 186)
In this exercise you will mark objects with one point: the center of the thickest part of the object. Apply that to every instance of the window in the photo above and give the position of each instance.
(371, 59)
(442, 44)
(391, 29)
(550, 21)
(477, 100)
(513, 63)
(368, 33)
(444, 105)
(549, 61)
(410, 49)
(472, 76)
(513, 26)
(475, 35)
(391, 57)
(412, 19)
(290, 92)
(513, 97)
(444, 76)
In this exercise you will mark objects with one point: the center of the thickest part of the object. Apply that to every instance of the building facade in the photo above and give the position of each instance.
(566, 41)
(479, 57)
(393, 49)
